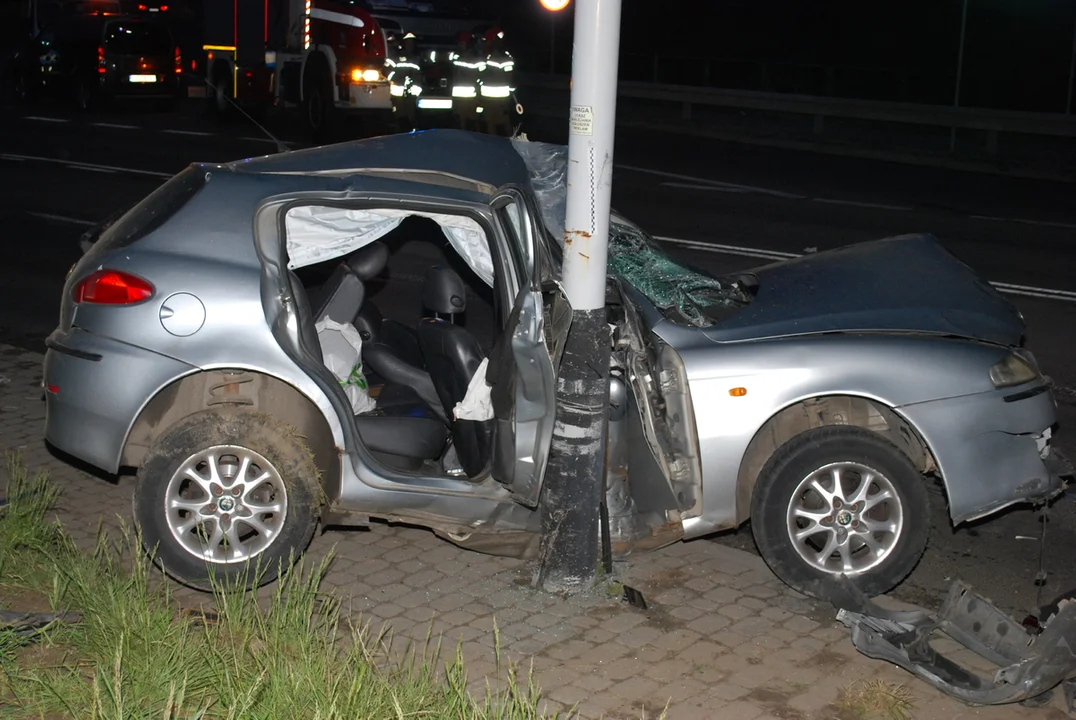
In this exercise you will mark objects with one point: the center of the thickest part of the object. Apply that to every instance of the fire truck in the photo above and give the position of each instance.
(326, 57)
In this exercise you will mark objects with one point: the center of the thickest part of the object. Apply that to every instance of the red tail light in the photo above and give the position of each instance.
(179, 62)
(142, 8)
(112, 287)
(164, 8)
(101, 69)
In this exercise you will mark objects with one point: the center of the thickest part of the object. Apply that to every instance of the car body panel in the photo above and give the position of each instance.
(778, 374)
(991, 450)
(92, 403)
(906, 284)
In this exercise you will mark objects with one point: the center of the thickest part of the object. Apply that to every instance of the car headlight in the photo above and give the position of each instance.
(1015, 369)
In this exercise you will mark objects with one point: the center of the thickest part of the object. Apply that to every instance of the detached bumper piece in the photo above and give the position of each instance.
(1029, 665)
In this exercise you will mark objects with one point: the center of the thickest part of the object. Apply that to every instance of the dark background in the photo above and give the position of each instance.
(1017, 53)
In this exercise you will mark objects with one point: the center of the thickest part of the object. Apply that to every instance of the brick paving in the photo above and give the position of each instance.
(723, 637)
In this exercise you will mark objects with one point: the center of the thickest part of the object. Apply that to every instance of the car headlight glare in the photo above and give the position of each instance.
(1013, 370)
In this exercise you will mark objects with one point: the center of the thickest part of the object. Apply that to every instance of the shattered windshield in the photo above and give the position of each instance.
(635, 257)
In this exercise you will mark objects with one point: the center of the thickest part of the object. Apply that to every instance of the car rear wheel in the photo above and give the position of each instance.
(318, 102)
(83, 93)
(840, 500)
(226, 498)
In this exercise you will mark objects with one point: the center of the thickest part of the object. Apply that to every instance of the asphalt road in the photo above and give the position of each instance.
(717, 205)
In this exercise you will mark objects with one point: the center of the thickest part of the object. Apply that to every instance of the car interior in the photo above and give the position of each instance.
(425, 331)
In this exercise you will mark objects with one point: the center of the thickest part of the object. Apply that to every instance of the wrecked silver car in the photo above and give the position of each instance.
(237, 339)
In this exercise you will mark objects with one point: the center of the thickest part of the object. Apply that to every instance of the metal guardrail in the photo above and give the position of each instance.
(992, 122)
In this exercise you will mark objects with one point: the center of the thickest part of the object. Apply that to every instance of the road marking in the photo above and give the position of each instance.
(697, 183)
(854, 203)
(713, 183)
(197, 133)
(258, 139)
(119, 126)
(1045, 293)
(717, 188)
(60, 218)
(41, 118)
(85, 166)
(716, 248)
(1045, 223)
(728, 249)
(91, 168)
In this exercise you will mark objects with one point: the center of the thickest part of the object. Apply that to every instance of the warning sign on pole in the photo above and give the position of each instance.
(582, 120)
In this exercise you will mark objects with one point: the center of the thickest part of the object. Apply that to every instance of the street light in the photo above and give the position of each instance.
(575, 475)
(553, 6)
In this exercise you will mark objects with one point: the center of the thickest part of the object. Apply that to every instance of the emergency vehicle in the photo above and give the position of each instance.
(325, 57)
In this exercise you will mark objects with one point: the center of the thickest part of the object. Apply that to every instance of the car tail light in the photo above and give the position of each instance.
(164, 8)
(101, 69)
(179, 62)
(142, 8)
(112, 287)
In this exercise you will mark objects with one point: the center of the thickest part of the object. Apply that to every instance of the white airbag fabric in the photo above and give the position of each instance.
(476, 403)
(316, 233)
(341, 346)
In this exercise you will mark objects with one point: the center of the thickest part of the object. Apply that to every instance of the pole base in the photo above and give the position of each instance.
(575, 476)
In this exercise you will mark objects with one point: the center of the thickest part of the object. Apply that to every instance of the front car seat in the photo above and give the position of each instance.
(343, 294)
(453, 355)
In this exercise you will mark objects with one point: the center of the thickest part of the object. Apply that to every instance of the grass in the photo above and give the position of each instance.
(869, 699)
(133, 656)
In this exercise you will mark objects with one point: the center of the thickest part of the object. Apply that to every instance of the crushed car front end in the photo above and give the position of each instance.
(995, 448)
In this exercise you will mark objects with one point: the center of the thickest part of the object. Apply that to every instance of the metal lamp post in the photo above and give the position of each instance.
(575, 479)
(959, 71)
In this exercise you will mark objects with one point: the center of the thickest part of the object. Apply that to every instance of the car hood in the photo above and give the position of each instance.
(905, 284)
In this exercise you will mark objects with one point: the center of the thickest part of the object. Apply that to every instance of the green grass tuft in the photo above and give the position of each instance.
(134, 657)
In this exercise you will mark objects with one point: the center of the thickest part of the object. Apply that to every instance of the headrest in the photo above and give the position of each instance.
(369, 261)
(444, 292)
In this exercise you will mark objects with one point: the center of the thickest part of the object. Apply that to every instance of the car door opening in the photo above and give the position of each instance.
(421, 324)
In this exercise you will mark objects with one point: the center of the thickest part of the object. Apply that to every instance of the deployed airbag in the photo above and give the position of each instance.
(316, 233)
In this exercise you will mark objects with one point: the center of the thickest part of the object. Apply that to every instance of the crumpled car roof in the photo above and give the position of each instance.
(495, 162)
(485, 159)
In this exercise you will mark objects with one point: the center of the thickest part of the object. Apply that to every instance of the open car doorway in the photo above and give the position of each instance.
(403, 311)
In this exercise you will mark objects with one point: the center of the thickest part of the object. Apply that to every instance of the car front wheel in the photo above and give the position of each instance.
(226, 498)
(840, 500)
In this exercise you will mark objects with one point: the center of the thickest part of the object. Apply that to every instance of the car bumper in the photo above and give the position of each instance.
(368, 97)
(85, 415)
(993, 449)
(120, 86)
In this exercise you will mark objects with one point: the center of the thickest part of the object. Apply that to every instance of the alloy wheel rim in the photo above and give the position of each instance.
(845, 517)
(225, 504)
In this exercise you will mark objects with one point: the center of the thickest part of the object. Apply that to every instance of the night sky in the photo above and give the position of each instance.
(1017, 51)
(1017, 54)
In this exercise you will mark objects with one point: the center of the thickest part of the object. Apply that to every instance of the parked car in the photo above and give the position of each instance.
(87, 58)
(815, 397)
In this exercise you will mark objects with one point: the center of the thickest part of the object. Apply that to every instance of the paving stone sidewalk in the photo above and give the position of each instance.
(723, 638)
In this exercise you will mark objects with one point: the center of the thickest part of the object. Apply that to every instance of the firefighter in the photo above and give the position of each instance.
(405, 81)
(497, 92)
(467, 67)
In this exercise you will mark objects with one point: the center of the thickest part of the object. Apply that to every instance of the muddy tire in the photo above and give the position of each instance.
(228, 497)
(839, 500)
